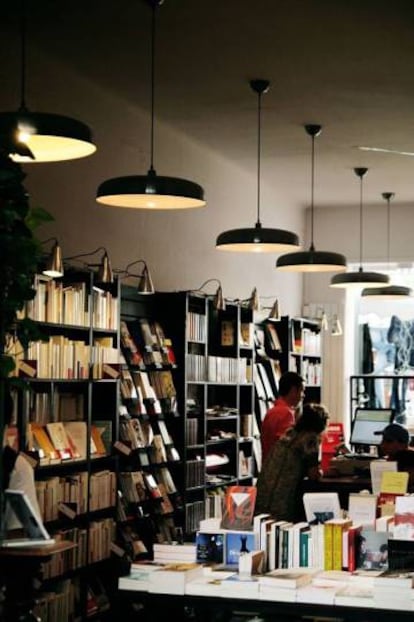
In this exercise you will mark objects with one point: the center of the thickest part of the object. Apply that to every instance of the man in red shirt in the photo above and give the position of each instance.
(282, 415)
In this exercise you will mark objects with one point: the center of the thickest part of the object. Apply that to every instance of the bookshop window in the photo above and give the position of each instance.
(386, 350)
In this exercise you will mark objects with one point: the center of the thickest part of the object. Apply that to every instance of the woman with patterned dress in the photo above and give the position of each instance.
(292, 458)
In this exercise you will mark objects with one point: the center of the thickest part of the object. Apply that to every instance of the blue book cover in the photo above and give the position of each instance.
(237, 543)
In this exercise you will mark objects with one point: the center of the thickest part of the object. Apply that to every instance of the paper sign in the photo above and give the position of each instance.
(395, 482)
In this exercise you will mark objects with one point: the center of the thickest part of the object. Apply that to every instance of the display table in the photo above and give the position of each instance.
(207, 608)
(342, 485)
(21, 566)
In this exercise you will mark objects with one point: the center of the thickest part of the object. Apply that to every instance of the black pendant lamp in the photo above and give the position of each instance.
(361, 278)
(312, 260)
(39, 136)
(258, 239)
(151, 191)
(393, 292)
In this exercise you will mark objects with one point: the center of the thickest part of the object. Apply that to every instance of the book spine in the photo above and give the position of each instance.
(328, 546)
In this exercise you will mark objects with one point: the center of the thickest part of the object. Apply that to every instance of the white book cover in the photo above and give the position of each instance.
(286, 595)
(172, 578)
(320, 594)
(355, 596)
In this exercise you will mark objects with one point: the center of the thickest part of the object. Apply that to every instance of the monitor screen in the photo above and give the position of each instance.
(366, 422)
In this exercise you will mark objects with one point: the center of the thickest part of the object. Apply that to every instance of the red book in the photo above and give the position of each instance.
(238, 510)
(354, 533)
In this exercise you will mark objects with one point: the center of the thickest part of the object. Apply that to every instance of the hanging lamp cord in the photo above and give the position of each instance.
(259, 149)
(23, 27)
(360, 221)
(312, 245)
(154, 4)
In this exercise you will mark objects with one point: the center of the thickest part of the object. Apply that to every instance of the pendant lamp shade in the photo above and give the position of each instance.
(151, 191)
(258, 239)
(312, 260)
(390, 292)
(359, 279)
(35, 137)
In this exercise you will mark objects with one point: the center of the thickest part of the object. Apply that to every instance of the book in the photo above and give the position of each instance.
(372, 549)
(239, 586)
(355, 596)
(395, 579)
(59, 438)
(400, 554)
(172, 578)
(404, 518)
(238, 507)
(291, 578)
(139, 576)
(362, 508)
(210, 548)
(321, 506)
(237, 543)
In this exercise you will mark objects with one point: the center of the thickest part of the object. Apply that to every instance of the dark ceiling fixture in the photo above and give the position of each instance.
(258, 239)
(151, 191)
(39, 136)
(393, 292)
(312, 260)
(361, 278)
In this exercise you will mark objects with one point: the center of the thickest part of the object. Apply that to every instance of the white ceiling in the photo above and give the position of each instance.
(346, 64)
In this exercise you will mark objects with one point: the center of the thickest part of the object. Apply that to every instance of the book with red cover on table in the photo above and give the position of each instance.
(238, 510)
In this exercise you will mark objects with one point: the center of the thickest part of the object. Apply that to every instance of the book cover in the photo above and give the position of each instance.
(321, 506)
(404, 518)
(210, 548)
(237, 544)
(60, 439)
(372, 550)
(238, 508)
(400, 554)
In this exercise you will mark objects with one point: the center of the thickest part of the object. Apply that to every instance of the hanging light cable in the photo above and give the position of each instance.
(361, 278)
(312, 260)
(39, 136)
(390, 291)
(151, 191)
(258, 239)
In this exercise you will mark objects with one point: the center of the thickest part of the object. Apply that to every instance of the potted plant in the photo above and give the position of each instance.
(20, 255)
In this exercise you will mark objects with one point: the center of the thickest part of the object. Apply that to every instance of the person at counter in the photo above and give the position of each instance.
(395, 446)
(282, 415)
(292, 458)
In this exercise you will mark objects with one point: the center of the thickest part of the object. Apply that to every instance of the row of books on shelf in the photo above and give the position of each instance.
(196, 327)
(153, 436)
(141, 486)
(67, 440)
(138, 386)
(228, 334)
(69, 495)
(266, 379)
(218, 369)
(305, 340)
(64, 358)
(143, 342)
(71, 304)
(57, 406)
(311, 372)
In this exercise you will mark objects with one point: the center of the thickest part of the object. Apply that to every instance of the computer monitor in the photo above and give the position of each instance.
(366, 422)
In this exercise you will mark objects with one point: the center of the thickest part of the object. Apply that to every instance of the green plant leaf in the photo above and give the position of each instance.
(37, 216)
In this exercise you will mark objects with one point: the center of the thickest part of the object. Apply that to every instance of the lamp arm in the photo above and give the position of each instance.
(100, 248)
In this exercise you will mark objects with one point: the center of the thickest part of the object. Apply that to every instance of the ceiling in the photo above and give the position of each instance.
(346, 64)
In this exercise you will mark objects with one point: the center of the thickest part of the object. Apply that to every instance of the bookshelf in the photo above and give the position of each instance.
(151, 507)
(291, 344)
(67, 404)
(215, 398)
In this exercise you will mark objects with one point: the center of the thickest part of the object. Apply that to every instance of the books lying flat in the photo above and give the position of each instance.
(354, 596)
(210, 583)
(168, 553)
(239, 587)
(287, 578)
(285, 595)
(139, 577)
(29, 543)
(172, 578)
